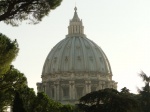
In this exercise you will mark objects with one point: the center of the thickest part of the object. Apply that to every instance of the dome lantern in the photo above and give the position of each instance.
(75, 27)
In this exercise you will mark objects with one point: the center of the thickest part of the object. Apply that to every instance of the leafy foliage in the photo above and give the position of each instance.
(68, 108)
(108, 100)
(145, 93)
(11, 81)
(10, 78)
(13, 84)
(18, 103)
(28, 96)
(43, 103)
(37, 103)
(15, 11)
(125, 90)
(8, 51)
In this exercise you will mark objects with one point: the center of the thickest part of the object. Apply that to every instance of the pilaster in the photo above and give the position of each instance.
(57, 88)
(72, 90)
(87, 86)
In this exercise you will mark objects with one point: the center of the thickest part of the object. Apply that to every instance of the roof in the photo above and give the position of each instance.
(76, 53)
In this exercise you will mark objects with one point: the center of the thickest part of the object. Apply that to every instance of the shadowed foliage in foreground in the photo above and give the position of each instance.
(108, 100)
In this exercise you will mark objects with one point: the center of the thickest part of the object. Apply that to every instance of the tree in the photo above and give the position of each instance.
(68, 108)
(43, 103)
(37, 103)
(28, 97)
(10, 78)
(18, 103)
(11, 81)
(107, 100)
(145, 93)
(125, 90)
(8, 51)
(15, 11)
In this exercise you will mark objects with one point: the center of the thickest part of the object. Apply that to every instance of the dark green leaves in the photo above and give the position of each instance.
(15, 11)
(144, 93)
(18, 103)
(108, 100)
(11, 81)
(8, 51)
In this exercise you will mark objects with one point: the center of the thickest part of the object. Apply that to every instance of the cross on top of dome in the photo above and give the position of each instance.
(75, 9)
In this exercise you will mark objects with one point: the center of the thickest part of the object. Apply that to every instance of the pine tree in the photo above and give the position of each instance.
(18, 103)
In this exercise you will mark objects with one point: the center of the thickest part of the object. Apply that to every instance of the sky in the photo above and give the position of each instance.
(120, 27)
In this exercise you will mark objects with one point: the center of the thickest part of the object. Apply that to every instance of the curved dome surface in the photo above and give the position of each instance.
(75, 66)
(76, 54)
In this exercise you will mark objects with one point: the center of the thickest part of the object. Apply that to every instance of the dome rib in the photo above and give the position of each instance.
(46, 68)
(91, 66)
(107, 64)
(72, 52)
(83, 51)
(94, 53)
(55, 67)
(62, 55)
(78, 57)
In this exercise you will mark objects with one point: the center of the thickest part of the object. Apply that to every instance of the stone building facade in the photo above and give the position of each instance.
(75, 66)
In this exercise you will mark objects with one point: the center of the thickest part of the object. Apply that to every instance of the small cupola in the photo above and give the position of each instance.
(75, 27)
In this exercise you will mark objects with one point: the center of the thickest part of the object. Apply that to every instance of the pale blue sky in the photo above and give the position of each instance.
(120, 27)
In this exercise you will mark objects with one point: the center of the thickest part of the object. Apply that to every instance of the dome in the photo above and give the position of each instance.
(76, 54)
(75, 66)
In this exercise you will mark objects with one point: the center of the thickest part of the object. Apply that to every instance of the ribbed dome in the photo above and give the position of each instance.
(76, 54)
